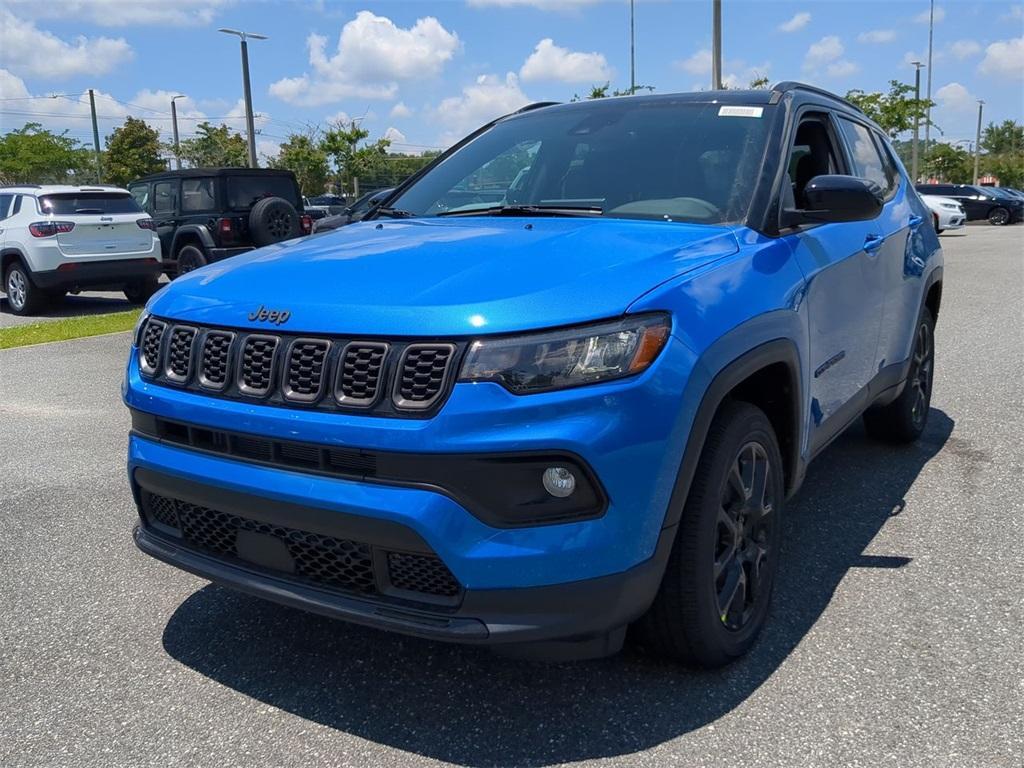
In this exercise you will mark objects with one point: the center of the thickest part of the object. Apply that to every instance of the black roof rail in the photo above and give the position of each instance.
(22, 186)
(793, 85)
(536, 105)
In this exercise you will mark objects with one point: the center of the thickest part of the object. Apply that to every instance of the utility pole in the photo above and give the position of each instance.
(96, 138)
(250, 127)
(928, 111)
(174, 123)
(917, 120)
(632, 52)
(977, 141)
(716, 45)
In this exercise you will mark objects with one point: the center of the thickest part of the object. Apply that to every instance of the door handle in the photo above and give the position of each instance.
(873, 242)
(915, 221)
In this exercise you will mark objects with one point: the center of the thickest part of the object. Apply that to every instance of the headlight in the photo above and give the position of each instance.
(950, 206)
(139, 324)
(570, 357)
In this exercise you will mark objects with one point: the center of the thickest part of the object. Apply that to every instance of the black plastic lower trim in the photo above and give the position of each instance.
(88, 274)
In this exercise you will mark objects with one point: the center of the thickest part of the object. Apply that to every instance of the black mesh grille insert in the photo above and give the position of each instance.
(422, 375)
(151, 339)
(213, 367)
(257, 364)
(421, 573)
(179, 353)
(307, 360)
(359, 373)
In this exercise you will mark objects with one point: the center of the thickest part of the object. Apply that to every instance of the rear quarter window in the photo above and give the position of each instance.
(85, 203)
(243, 192)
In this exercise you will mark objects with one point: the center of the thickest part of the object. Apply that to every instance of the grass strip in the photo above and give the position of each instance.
(66, 328)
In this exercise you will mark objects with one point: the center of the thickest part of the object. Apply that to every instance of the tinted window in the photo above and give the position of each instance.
(197, 194)
(936, 189)
(632, 158)
(163, 197)
(889, 165)
(17, 205)
(5, 205)
(864, 154)
(246, 191)
(140, 194)
(82, 203)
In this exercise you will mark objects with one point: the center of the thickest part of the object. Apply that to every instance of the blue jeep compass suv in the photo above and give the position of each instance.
(560, 383)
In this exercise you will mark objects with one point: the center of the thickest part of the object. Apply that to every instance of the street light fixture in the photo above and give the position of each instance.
(250, 128)
(174, 124)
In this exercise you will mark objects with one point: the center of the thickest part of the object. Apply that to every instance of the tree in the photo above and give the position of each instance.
(303, 155)
(1007, 137)
(893, 111)
(133, 151)
(351, 161)
(215, 147)
(950, 164)
(1008, 167)
(31, 155)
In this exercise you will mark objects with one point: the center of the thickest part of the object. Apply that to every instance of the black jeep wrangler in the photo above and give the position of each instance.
(207, 214)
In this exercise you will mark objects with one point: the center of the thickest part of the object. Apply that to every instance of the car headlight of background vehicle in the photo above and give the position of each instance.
(950, 206)
(569, 357)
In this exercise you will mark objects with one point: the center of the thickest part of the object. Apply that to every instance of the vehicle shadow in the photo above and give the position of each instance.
(77, 306)
(467, 706)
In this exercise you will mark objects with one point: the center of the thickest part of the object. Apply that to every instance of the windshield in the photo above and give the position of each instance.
(246, 191)
(88, 202)
(623, 158)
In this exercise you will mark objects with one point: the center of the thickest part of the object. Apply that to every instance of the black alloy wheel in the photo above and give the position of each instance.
(189, 259)
(999, 217)
(279, 224)
(922, 370)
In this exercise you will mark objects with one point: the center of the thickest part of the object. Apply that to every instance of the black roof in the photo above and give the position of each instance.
(189, 173)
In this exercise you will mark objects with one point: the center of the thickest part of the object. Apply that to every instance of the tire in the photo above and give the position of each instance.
(190, 257)
(23, 297)
(999, 217)
(904, 419)
(140, 291)
(690, 619)
(272, 220)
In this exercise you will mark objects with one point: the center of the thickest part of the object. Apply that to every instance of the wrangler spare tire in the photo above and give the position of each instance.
(272, 220)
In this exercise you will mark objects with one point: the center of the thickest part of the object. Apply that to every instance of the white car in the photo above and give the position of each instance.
(58, 238)
(947, 213)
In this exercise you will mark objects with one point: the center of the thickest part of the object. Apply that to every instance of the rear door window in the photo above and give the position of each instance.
(164, 197)
(244, 192)
(85, 203)
(5, 205)
(197, 195)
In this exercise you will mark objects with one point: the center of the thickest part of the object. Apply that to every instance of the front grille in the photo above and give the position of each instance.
(422, 376)
(307, 361)
(152, 339)
(257, 365)
(215, 360)
(179, 353)
(421, 573)
(315, 558)
(359, 373)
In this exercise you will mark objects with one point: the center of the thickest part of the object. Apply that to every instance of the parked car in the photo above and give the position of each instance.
(56, 239)
(947, 213)
(333, 204)
(979, 202)
(354, 212)
(205, 215)
(315, 212)
(534, 424)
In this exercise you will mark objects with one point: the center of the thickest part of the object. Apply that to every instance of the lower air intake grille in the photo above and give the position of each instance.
(359, 373)
(257, 365)
(179, 353)
(152, 338)
(421, 573)
(213, 364)
(421, 378)
(304, 374)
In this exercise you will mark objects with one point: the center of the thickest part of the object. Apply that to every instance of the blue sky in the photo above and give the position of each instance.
(428, 72)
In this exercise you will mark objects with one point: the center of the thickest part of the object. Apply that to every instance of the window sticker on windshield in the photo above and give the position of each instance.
(740, 111)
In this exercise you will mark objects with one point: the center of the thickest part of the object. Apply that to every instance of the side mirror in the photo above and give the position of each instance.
(837, 199)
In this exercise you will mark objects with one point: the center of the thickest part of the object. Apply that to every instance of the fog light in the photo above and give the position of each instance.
(559, 482)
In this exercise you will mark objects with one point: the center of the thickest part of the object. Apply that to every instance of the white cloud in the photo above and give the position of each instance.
(373, 54)
(551, 62)
(842, 68)
(956, 97)
(923, 16)
(877, 36)
(963, 49)
(1005, 57)
(394, 135)
(826, 54)
(544, 5)
(735, 72)
(400, 111)
(489, 97)
(697, 64)
(27, 50)
(342, 117)
(799, 21)
(117, 13)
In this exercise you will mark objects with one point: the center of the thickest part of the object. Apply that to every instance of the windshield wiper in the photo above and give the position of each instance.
(393, 213)
(529, 210)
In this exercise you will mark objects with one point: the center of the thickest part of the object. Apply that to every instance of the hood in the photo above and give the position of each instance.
(444, 277)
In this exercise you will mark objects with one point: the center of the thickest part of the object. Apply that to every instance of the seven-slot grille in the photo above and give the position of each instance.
(378, 377)
(326, 561)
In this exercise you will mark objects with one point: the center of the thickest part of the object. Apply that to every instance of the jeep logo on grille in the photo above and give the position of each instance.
(275, 316)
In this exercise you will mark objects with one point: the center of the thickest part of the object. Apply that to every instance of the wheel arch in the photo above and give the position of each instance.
(9, 256)
(194, 234)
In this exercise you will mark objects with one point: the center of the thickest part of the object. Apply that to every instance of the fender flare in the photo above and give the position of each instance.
(779, 350)
(189, 230)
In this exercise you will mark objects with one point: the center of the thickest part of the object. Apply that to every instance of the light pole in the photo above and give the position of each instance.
(917, 119)
(716, 45)
(174, 124)
(250, 128)
(928, 111)
(977, 141)
(632, 52)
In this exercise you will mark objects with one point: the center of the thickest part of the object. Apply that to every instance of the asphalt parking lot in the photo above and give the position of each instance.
(897, 636)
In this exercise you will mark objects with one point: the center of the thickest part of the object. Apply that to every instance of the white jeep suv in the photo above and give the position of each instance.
(55, 239)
